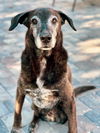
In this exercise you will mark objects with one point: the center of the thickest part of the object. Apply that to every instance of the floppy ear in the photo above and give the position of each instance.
(21, 18)
(69, 20)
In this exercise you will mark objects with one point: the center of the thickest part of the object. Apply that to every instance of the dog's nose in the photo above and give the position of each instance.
(45, 39)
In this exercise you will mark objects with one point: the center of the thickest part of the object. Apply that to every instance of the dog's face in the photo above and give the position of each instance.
(44, 25)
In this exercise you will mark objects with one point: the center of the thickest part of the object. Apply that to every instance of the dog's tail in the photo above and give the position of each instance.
(81, 89)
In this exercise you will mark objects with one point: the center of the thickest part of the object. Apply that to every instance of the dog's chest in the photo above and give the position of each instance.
(43, 97)
(39, 81)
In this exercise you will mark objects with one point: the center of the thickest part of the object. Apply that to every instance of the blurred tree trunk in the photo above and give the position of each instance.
(53, 2)
(93, 2)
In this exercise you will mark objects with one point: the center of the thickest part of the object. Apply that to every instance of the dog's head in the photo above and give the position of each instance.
(44, 25)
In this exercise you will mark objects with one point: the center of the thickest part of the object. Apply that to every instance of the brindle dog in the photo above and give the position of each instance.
(45, 74)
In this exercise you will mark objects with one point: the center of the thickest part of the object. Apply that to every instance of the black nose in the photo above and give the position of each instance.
(45, 39)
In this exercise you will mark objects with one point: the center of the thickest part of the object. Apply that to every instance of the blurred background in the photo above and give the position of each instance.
(83, 47)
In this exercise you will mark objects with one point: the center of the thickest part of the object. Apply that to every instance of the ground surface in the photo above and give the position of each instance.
(84, 58)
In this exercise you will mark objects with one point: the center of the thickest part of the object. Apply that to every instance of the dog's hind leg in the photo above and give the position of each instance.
(68, 99)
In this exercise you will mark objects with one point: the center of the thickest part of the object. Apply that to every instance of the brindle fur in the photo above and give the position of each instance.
(57, 75)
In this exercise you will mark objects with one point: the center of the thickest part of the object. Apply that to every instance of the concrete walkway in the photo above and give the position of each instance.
(84, 58)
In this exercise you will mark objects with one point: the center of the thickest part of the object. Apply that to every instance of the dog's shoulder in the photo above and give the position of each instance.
(25, 58)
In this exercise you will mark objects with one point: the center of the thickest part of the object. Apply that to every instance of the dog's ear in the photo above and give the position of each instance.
(69, 20)
(21, 18)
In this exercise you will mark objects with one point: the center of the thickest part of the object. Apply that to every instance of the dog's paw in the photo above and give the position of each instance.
(32, 128)
(16, 130)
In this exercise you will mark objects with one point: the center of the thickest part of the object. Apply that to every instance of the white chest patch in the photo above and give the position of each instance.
(40, 82)
(43, 97)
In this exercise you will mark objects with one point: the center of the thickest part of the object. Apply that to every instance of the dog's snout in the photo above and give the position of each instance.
(45, 39)
(45, 36)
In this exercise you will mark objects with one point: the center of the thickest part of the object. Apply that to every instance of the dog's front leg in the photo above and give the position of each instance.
(34, 122)
(18, 108)
(69, 107)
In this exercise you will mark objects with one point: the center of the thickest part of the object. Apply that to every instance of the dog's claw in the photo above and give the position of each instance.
(32, 128)
(15, 130)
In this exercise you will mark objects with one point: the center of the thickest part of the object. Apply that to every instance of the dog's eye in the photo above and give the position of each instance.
(34, 21)
(54, 20)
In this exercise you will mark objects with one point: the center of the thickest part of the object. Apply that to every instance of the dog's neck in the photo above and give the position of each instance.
(42, 53)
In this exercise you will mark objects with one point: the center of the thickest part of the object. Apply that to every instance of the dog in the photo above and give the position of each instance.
(45, 75)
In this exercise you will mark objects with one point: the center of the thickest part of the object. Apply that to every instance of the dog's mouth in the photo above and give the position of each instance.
(45, 48)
